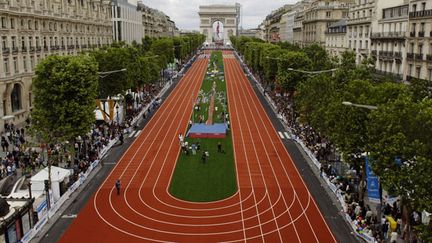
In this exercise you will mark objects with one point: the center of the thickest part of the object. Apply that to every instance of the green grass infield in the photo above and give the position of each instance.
(194, 180)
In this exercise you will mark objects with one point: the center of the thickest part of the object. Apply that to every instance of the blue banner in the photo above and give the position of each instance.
(372, 184)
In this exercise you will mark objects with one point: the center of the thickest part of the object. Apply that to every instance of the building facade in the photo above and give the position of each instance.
(336, 38)
(388, 37)
(360, 16)
(319, 16)
(287, 26)
(33, 29)
(419, 40)
(127, 22)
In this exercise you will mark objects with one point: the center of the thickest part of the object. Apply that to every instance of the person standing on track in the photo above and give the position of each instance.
(117, 185)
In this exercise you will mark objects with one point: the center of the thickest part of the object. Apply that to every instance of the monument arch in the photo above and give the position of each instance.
(226, 18)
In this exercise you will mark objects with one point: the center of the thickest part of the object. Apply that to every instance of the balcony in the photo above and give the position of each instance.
(6, 50)
(23, 49)
(374, 53)
(419, 57)
(32, 49)
(398, 55)
(38, 48)
(412, 34)
(421, 14)
(71, 47)
(410, 56)
(388, 35)
(429, 58)
(14, 50)
(45, 48)
(62, 48)
(421, 33)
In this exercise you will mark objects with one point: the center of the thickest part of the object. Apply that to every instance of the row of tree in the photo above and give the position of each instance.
(66, 87)
(397, 134)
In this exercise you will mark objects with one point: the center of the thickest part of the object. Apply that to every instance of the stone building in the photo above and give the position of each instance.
(319, 16)
(360, 17)
(33, 29)
(419, 40)
(155, 22)
(336, 38)
(388, 37)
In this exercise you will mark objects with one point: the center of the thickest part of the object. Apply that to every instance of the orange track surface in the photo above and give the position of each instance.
(272, 204)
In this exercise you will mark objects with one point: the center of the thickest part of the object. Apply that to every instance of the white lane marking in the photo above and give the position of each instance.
(287, 135)
(69, 216)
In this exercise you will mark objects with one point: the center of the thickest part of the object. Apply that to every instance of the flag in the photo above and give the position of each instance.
(217, 29)
(372, 184)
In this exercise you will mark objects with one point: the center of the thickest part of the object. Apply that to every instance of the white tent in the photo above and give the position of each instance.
(58, 175)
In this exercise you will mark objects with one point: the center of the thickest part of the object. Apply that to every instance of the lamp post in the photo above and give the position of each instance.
(370, 107)
(105, 74)
(304, 71)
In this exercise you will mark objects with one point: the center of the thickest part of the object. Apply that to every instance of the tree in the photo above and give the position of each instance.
(319, 57)
(65, 89)
(110, 60)
(420, 89)
(288, 79)
(164, 49)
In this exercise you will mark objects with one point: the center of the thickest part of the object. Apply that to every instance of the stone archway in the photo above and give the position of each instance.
(226, 15)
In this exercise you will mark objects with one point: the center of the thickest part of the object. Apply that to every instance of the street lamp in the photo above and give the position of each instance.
(105, 74)
(370, 107)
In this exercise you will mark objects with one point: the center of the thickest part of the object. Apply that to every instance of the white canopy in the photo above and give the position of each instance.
(57, 174)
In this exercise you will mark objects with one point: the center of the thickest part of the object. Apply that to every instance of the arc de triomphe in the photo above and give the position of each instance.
(228, 15)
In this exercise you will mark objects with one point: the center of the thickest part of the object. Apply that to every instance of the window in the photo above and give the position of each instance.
(32, 63)
(15, 64)
(328, 14)
(3, 22)
(23, 45)
(25, 63)
(6, 66)
(418, 71)
(29, 25)
(430, 74)
(14, 44)
(4, 42)
(422, 27)
(12, 23)
(16, 98)
(420, 49)
(414, 7)
(423, 6)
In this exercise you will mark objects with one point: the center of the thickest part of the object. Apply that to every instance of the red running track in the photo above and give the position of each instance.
(272, 203)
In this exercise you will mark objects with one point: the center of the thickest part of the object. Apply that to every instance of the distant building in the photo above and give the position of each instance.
(226, 16)
(155, 22)
(336, 38)
(127, 22)
(388, 37)
(319, 16)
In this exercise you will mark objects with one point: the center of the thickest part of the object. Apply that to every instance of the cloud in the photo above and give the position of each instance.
(185, 12)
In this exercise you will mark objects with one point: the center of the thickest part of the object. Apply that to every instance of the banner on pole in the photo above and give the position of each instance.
(372, 184)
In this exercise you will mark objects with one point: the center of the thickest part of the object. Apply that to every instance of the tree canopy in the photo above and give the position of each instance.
(65, 89)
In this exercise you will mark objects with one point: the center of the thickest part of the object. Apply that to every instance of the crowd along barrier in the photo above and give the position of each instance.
(332, 187)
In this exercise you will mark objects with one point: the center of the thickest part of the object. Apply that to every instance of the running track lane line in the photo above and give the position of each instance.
(270, 129)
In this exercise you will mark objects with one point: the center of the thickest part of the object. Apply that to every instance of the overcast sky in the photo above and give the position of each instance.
(185, 12)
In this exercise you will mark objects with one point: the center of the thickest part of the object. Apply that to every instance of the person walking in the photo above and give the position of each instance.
(117, 185)
(203, 157)
(219, 147)
(121, 138)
